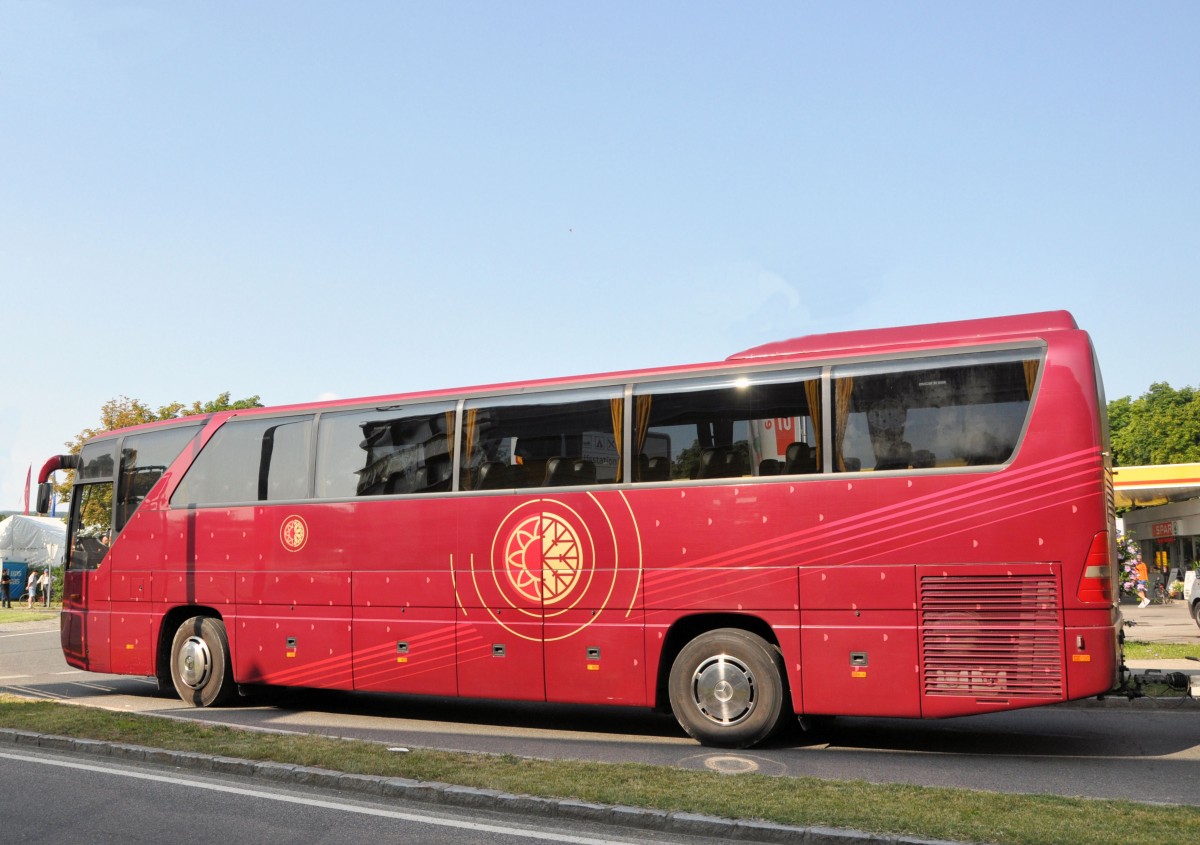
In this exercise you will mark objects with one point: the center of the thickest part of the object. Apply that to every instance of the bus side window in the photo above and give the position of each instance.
(254, 460)
(935, 413)
(144, 459)
(385, 452)
(554, 439)
(734, 426)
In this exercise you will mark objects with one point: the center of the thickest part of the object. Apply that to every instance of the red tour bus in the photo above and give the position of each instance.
(911, 522)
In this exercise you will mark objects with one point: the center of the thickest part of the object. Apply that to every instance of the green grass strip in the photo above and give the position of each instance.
(20, 613)
(1135, 650)
(953, 814)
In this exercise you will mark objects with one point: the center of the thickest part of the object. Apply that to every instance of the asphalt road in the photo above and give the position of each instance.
(1117, 749)
(62, 799)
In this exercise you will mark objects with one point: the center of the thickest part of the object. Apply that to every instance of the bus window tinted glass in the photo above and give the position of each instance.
(938, 413)
(96, 461)
(144, 459)
(730, 428)
(256, 460)
(385, 452)
(91, 528)
(543, 440)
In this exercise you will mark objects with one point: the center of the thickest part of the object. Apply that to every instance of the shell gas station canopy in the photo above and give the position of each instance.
(1147, 486)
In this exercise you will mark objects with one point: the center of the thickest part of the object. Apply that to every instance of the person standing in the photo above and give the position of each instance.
(1142, 574)
(5, 586)
(31, 589)
(44, 586)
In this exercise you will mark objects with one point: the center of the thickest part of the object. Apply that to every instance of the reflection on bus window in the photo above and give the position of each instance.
(385, 452)
(764, 425)
(938, 413)
(559, 439)
(144, 459)
(92, 531)
(256, 460)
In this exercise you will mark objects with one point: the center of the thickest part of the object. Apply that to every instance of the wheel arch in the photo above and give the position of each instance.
(170, 623)
(687, 628)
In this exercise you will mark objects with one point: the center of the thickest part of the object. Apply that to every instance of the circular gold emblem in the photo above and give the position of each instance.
(543, 558)
(540, 579)
(293, 533)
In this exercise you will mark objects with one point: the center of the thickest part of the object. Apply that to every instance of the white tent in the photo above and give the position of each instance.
(37, 540)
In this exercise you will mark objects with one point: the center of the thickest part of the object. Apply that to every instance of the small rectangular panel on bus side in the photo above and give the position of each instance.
(293, 623)
(865, 586)
(500, 655)
(859, 641)
(130, 643)
(213, 588)
(131, 586)
(281, 587)
(860, 663)
(732, 589)
(295, 645)
(422, 588)
(405, 650)
(595, 657)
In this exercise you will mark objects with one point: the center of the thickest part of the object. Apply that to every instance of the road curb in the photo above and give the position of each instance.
(429, 792)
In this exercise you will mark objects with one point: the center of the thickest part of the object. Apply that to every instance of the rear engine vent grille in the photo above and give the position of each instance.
(992, 637)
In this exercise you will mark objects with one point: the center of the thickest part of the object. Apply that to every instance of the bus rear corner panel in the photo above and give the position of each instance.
(85, 638)
(1093, 660)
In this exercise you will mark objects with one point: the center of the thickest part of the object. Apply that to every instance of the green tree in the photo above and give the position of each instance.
(1162, 426)
(124, 412)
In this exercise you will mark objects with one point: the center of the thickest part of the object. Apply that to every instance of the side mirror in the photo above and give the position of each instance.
(44, 494)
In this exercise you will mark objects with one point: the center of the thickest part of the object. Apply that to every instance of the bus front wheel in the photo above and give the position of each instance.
(727, 688)
(200, 664)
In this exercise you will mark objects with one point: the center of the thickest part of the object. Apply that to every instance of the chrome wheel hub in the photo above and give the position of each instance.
(194, 664)
(724, 690)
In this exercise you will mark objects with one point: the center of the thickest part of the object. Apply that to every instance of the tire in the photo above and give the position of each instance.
(201, 669)
(727, 688)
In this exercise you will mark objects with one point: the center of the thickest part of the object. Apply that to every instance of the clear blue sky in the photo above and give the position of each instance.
(299, 200)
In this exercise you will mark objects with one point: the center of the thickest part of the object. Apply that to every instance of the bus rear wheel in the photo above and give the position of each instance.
(201, 669)
(727, 688)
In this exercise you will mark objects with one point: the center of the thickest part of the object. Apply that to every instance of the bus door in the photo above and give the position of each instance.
(85, 617)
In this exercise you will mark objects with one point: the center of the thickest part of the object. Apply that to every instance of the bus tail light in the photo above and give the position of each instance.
(1095, 585)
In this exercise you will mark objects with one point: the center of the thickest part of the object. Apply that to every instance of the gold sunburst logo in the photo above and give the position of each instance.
(543, 558)
(293, 533)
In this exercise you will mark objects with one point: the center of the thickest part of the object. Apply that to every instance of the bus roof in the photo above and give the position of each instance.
(962, 332)
(929, 334)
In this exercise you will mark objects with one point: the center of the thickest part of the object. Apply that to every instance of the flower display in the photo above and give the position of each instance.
(1127, 549)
